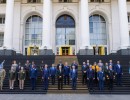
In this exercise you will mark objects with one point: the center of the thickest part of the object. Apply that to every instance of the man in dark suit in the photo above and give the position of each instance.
(84, 75)
(110, 77)
(119, 73)
(101, 78)
(111, 63)
(90, 77)
(60, 64)
(66, 73)
(60, 77)
(74, 64)
(45, 76)
(74, 77)
(53, 71)
(33, 76)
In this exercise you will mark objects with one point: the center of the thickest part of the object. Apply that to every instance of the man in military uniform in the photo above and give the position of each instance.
(27, 69)
(33, 76)
(101, 78)
(45, 77)
(2, 75)
(53, 73)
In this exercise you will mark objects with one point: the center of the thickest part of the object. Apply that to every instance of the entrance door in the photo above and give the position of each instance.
(65, 50)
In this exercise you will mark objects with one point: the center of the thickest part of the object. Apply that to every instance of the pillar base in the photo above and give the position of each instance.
(123, 52)
(86, 52)
(46, 52)
(7, 52)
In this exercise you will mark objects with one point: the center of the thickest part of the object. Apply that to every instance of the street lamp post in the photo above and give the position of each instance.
(45, 49)
(86, 48)
(4, 48)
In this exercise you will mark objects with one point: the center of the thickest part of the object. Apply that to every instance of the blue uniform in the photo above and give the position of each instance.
(74, 76)
(53, 71)
(84, 75)
(101, 76)
(66, 74)
(118, 71)
(33, 77)
(45, 75)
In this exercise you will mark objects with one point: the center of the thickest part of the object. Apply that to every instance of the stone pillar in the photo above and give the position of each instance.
(124, 32)
(46, 48)
(8, 38)
(85, 48)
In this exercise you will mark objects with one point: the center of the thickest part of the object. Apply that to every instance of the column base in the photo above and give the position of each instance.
(86, 52)
(123, 52)
(7, 52)
(46, 52)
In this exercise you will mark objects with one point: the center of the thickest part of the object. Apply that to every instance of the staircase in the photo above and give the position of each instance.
(125, 88)
(67, 88)
(27, 90)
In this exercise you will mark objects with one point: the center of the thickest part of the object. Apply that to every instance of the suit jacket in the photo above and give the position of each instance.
(118, 70)
(90, 73)
(60, 65)
(111, 74)
(66, 70)
(100, 75)
(60, 73)
(45, 73)
(76, 65)
(33, 73)
(74, 75)
(84, 68)
(53, 71)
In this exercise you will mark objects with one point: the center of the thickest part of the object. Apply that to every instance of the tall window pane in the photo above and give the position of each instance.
(97, 28)
(33, 31)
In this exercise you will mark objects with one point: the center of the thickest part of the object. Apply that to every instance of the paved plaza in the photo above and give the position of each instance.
(62, 97)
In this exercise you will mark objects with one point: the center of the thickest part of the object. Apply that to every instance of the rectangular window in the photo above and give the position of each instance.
(34, 1)
(2, 1)
(97, 0)
(2, 19)
(65, 1)
(1, 39)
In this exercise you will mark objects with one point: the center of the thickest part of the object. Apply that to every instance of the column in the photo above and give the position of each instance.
(47, 24)
(85, 40)
(9, 24)
(124, 33)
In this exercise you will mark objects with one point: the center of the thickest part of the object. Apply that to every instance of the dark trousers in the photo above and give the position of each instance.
(119, 77)
(66, 78)
(27, 75)
(45, 83)
(60, 83)
(90, 83)
(111, 84)
(53, 79)
(84, 79)
(96, 81)
(74, 83)
(33, 83)
(101, 84)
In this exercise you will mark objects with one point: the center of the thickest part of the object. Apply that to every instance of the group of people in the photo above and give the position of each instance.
(92, 75)
(98, 74)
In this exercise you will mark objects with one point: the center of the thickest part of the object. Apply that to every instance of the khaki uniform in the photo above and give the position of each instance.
(21, 75)
(2, 76)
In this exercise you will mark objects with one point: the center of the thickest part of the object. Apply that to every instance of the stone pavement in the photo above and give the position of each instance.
(62, 97)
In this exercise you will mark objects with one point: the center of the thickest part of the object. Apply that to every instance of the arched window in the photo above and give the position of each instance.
(65, 30)
(33, 31)
(97, 27)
